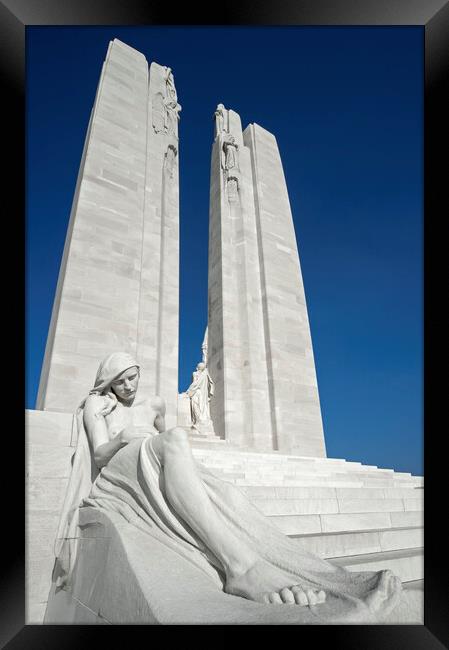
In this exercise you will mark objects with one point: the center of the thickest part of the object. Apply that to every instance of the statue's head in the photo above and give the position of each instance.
(229, 141)
(125, 386)
(120, 373)
(201, 365)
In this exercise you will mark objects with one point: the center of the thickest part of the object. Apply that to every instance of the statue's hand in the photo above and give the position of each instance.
(130, 433)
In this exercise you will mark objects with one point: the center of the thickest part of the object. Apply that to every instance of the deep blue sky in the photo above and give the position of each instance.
(346, 107)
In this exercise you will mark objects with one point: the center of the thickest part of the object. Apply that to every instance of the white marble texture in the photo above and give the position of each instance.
(333, 517)
(49, 450)
(119, 278)
(260, 347)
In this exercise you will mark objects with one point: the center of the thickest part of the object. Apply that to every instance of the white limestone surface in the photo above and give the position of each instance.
(49, 448)
(260, 347)
(240, 409)
(119, 278)
(294, 398)
(312, 512)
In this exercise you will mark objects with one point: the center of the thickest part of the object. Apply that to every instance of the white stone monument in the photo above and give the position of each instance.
(118, 290)
(260, 347)
(118, 284)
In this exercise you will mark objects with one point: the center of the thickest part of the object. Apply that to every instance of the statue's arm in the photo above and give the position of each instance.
(158, 404)
(192, 389)
(97, 431)
(193, 386)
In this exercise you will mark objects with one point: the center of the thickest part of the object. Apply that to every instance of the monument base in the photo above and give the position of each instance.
(360, 516)
(112, 584)
(203, 429)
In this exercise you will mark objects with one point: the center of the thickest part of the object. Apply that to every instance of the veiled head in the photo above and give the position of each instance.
(110, 369)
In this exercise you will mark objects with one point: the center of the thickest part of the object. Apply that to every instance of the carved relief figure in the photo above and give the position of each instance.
(170, 85)
(230, 149)
(232, 187)
(158, 113)
(220, 120)
(172, 110)
(166, 108)
(170, 159)
(127, 463)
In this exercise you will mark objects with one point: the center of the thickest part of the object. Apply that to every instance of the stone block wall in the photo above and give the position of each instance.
(293, 387)
(260, 347)
(236, 345)
(50, 440)
(119, 278)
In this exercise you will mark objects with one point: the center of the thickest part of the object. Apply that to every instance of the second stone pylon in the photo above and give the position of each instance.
(260, 347)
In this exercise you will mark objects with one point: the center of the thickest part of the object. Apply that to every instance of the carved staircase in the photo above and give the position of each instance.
(359, 516)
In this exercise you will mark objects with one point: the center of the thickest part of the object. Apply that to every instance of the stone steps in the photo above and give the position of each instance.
(210, 443)
(358, 516)
(252, 464)
(271, 473)
(408, 564)
(360, 542)
(280, 474)
(276, 469)
(334, 508)
(338, 522)
(230, 453)
(324, 492)
(286, 472)
(313, 505)
(341, 481)
(248, 478)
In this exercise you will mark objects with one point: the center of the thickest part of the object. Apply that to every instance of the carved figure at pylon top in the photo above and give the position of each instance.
(221, 120)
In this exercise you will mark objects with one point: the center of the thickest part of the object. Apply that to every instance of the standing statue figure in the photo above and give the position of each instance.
(230, 149)
(220, 120)
(200, 391)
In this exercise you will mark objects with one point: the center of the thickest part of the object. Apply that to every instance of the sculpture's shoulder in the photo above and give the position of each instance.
(95, 402)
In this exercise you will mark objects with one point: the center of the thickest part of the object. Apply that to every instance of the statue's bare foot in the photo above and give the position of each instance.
(388, 583)
(266, 584)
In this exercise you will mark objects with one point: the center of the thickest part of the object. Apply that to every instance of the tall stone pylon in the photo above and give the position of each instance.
(118, 286)
(260, 347)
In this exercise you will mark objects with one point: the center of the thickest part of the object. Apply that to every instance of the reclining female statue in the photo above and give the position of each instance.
(169, 490)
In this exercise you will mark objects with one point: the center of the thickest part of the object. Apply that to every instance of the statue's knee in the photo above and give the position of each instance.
(177, 438)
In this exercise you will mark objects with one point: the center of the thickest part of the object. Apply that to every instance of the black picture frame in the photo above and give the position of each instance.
(433, 16)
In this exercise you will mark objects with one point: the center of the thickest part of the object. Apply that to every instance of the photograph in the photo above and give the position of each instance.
(224, 340)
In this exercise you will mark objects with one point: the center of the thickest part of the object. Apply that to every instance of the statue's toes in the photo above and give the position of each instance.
(312, 596)
(275, 598)
(287, 596)
(321, 596)
(300, 596)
